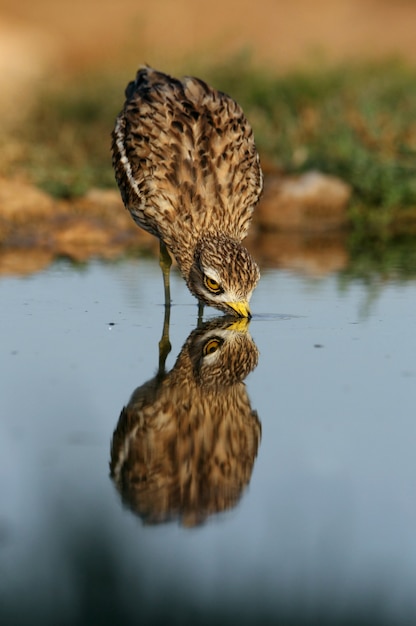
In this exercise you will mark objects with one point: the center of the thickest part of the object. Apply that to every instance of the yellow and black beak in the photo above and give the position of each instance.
(239, 325)
(240, 308)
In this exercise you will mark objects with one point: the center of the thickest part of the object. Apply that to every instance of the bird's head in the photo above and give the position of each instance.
(223, 275)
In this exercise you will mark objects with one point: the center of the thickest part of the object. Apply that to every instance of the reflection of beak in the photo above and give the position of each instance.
(240, 325)
(240, 308)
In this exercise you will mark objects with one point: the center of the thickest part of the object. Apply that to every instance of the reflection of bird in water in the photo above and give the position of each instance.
(189, 173)
(185, 445)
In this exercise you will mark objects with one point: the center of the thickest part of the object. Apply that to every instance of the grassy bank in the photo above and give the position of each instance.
(358, 123)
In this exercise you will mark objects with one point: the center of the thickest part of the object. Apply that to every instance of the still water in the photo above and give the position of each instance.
(300, 509)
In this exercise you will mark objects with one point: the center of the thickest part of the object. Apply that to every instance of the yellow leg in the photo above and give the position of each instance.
(165, 262)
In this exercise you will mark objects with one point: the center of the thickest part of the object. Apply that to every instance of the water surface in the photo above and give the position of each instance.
(320, 530)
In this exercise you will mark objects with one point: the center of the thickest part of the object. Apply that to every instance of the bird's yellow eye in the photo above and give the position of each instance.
(211, 346)
(212, 285)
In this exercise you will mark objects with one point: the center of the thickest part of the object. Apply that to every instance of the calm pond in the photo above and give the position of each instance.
(290, 499)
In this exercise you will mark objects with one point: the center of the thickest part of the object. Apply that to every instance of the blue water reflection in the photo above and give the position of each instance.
(324, 533)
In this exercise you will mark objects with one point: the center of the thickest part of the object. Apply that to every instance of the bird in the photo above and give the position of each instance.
(188, 170)
(185, 444)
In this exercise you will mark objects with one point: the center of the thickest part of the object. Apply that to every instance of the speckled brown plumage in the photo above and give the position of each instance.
(189, 173)
(185, 445)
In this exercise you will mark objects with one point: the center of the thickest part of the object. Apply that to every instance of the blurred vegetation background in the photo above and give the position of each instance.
(326, 85)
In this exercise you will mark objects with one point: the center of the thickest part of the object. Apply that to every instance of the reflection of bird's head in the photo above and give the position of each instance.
(223, 275)
(222, 352)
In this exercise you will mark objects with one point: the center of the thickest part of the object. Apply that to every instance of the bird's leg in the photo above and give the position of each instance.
(165, 262)
(164, 343)
(165, 347)
(200, 313)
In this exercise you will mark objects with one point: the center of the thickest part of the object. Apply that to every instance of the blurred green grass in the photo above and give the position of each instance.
(356, 122)
(66, 138)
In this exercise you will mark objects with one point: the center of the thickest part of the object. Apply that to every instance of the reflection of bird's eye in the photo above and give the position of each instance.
(212, 285)
(211, 346)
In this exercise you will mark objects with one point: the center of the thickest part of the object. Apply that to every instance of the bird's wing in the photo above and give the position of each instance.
(184, 154)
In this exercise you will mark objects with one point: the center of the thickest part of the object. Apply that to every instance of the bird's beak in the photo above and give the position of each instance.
(240, 325)
(240, 308)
